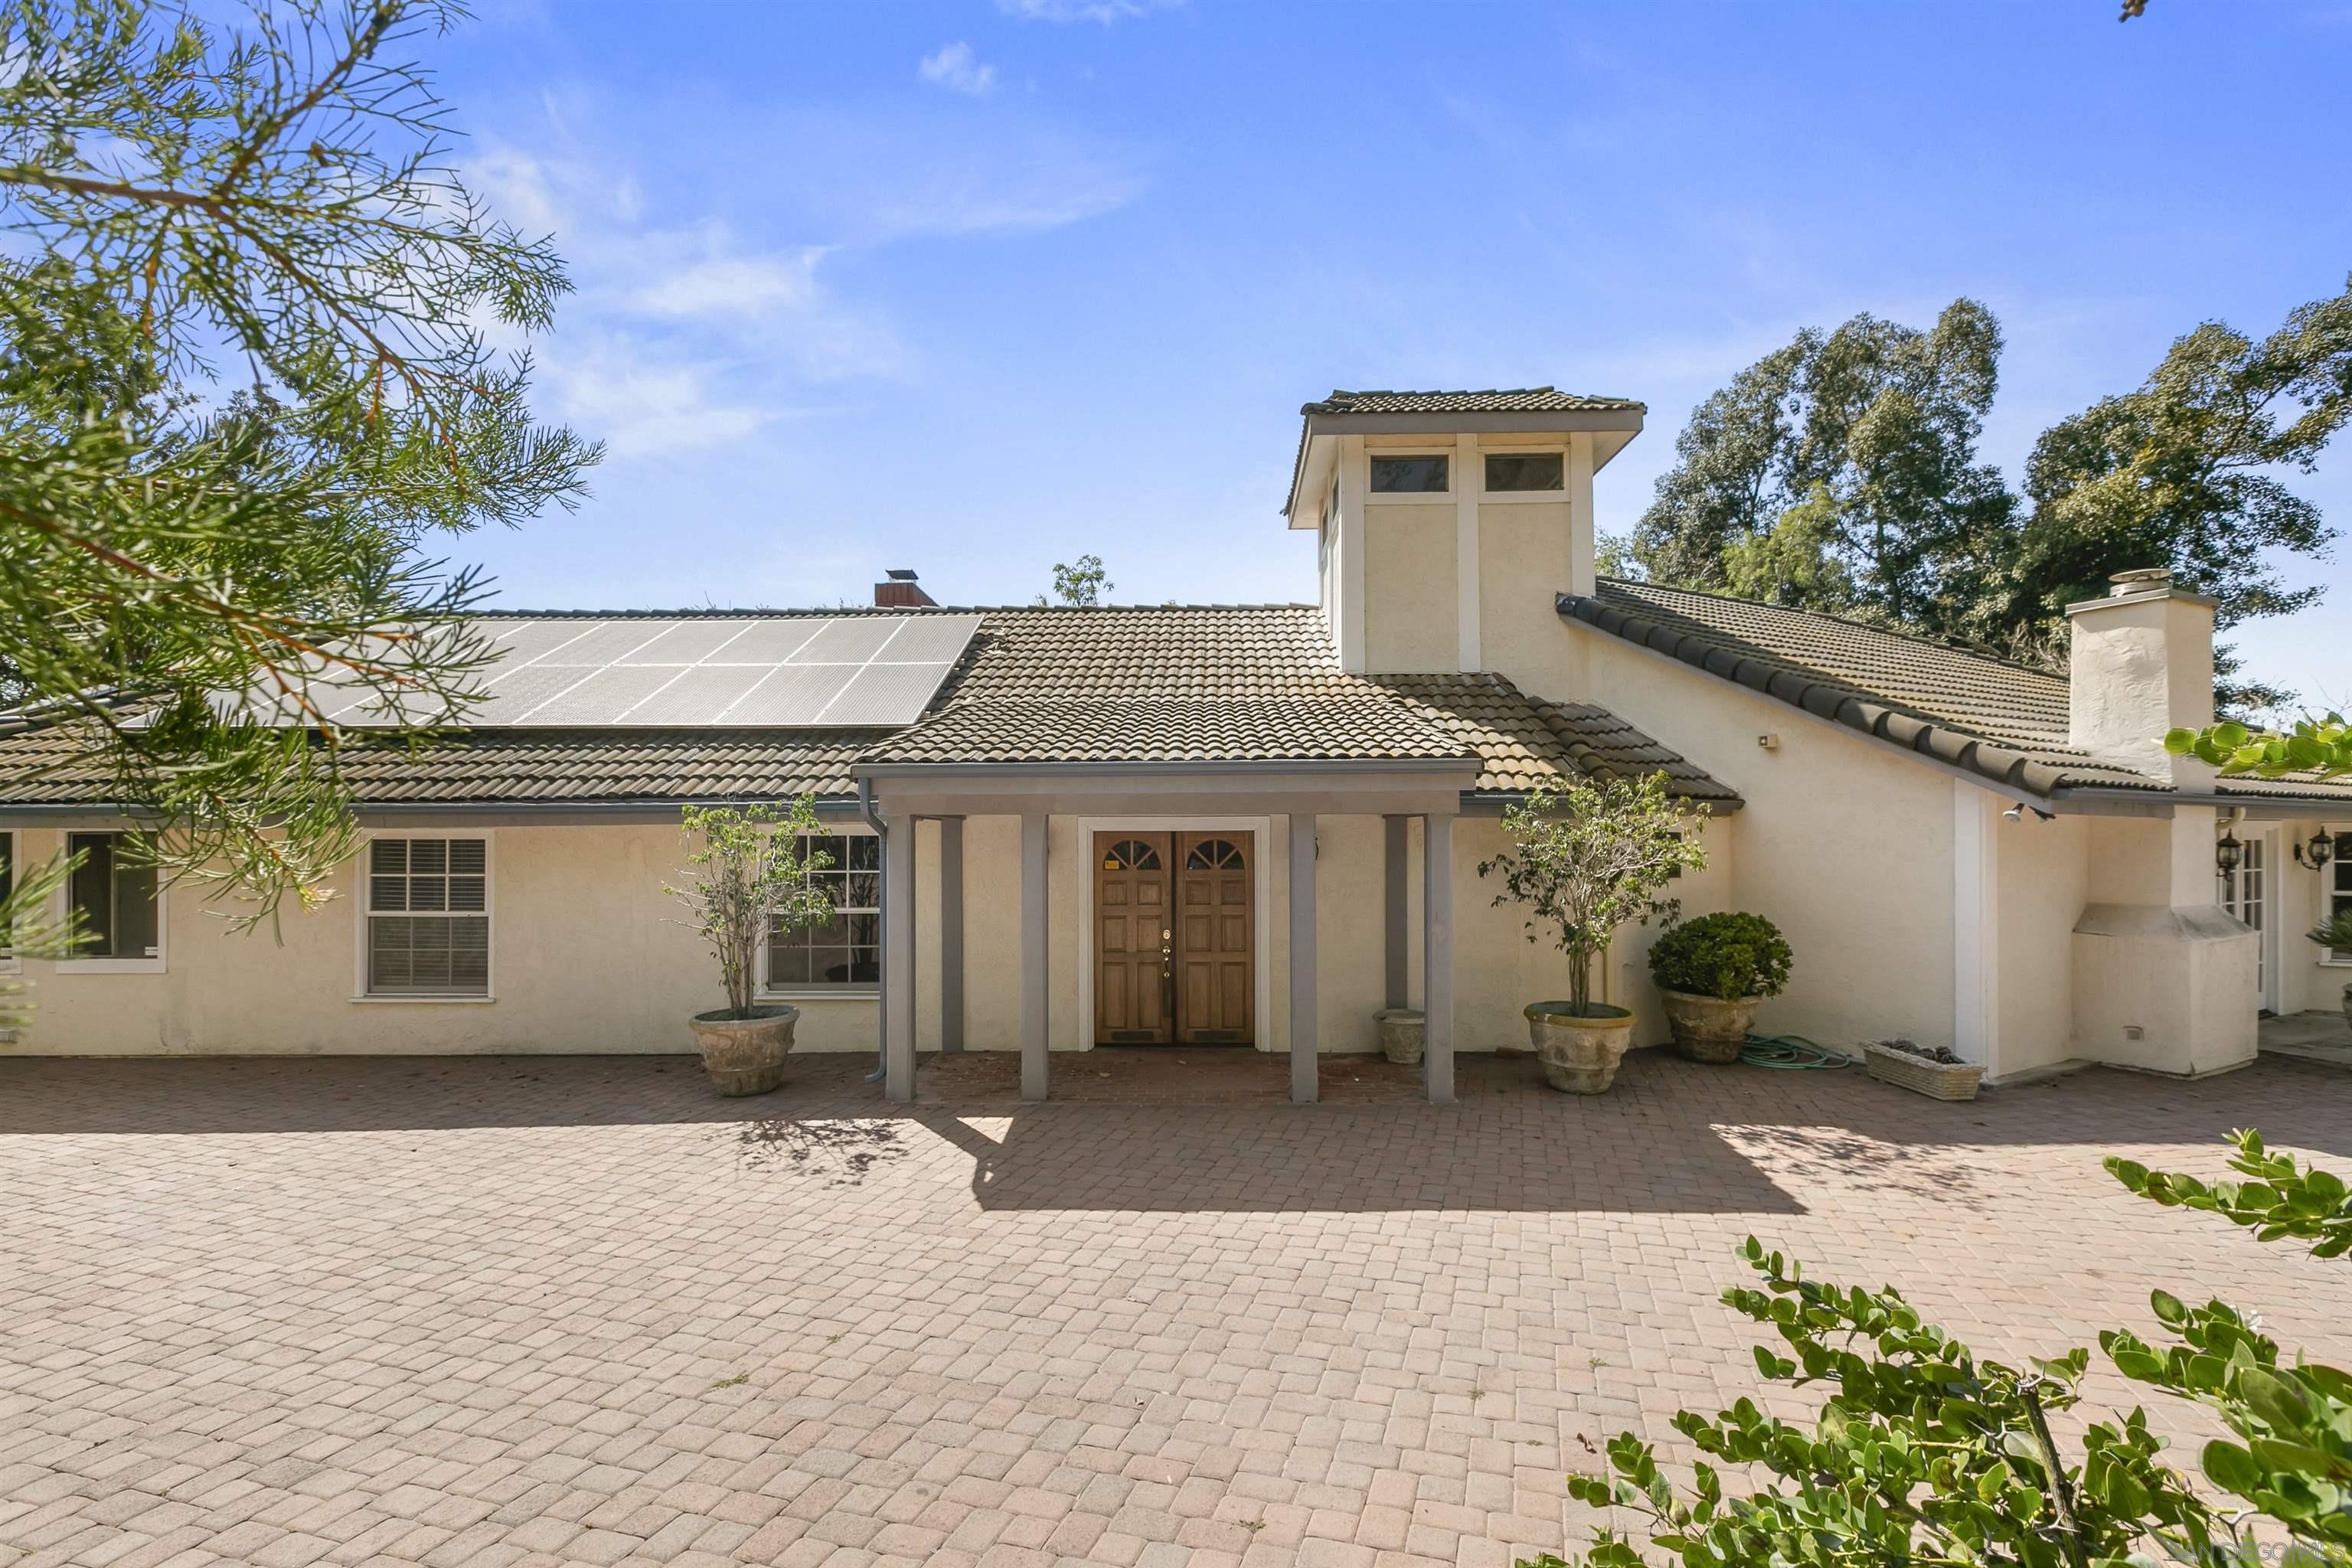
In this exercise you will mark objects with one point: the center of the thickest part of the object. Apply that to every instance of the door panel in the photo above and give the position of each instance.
(1215, 954)
(1132, 938)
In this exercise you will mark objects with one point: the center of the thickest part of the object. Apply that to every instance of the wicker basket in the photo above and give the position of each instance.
(1937, 1081)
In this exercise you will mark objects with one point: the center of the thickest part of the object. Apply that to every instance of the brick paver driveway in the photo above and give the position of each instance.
(503, 1312)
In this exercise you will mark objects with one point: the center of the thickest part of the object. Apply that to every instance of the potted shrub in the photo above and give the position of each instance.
(746, 880)
(1711, 973)
(2336, 935)
(1584, 862)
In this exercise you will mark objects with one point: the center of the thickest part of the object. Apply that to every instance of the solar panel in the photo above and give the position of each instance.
(786, 672)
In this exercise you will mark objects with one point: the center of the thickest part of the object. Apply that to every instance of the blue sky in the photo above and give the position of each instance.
(976, 287)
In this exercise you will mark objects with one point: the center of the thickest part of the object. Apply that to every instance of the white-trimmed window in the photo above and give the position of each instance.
(1412, 474)
(843, 955)
(1526, 473)
(2335, 889)
(116, 899)
(429, 917)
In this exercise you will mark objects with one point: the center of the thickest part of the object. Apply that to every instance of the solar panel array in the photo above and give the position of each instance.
(798, 672)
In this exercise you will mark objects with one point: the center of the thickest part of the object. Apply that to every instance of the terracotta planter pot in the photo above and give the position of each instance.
(1579, 1051)
(746, 1056)
(1403, 1031)
(1708, 1029)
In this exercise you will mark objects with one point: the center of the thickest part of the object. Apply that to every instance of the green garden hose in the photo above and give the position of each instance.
(1790, 1053)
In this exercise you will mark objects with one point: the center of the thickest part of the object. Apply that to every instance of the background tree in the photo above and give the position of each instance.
(1080, 583)
(1840, 474)
(241, 384)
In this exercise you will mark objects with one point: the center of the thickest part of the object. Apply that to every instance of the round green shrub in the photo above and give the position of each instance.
(1725, 956)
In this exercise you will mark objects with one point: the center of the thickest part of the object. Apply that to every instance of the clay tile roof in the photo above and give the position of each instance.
(1514, 400)
(1523, 741)
(2003, 720)
(1207, 683)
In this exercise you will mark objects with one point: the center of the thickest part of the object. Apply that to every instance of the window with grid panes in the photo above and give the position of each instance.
(429, 917)
(844, 954)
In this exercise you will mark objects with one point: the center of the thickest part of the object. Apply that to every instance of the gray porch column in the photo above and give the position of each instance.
(898, 959)
(1437, 957)
(1303, 1037)
(1397, 894)
(950, 934)
(1033, 1039)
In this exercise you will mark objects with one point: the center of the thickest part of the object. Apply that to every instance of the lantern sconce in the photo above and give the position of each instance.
(2322, 849)
(2228, 852)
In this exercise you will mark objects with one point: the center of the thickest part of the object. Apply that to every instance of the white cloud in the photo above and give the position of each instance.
(1103, 11)
(956, 68)
(644, 409)
(734, 286)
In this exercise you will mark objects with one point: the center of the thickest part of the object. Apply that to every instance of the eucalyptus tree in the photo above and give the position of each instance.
(1841, 473)
(247, 379)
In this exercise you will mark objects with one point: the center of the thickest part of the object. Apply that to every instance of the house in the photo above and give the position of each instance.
(1058, 829)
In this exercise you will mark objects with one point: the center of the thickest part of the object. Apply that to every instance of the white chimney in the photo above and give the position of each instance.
(2142, 663)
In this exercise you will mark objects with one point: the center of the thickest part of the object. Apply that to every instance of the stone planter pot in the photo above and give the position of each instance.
(1403, 1031)
(1579, 1051)
(1708, 1029)
(746, 1056)
(1937, 1081)
(2347, 1004)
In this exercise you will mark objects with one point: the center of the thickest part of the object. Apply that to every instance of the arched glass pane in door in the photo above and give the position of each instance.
(1214, 855)
(1131, 854)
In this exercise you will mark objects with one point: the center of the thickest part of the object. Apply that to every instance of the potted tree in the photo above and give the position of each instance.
(1584, 862)
(1711, 973)
(748, 878)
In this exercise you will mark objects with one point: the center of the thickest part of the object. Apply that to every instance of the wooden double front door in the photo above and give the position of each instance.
(1175, 943)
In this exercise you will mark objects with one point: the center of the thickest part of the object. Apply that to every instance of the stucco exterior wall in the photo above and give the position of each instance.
(584, 959)
(2043, 870)
(1409, 579)
(1844, 845)
(1523, 560)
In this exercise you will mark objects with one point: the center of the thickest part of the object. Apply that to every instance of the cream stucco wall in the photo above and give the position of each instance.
(1523, 562)
(1409, 572)
(1843, 844)
(2043, 871)
(584, 959)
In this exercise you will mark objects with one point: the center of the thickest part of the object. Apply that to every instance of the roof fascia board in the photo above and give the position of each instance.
(482, 812)
(2265, 807)
(1175, 769)
(1495, 801)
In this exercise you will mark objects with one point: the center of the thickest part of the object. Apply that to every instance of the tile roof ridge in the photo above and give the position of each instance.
(708, 612)
(1923, 639)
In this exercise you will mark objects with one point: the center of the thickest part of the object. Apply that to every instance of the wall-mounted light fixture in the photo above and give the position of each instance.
(2322, 849)
(2227, 853)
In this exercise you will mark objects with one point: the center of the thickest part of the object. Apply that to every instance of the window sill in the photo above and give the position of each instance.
(1509, 498)
(110, 966)
(1408, 497)
(845, 993)
(427, 1001)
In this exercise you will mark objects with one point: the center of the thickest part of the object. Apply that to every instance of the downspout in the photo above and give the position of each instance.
(882, 922)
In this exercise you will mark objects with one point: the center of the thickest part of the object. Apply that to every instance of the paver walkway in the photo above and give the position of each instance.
(462, 1312)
